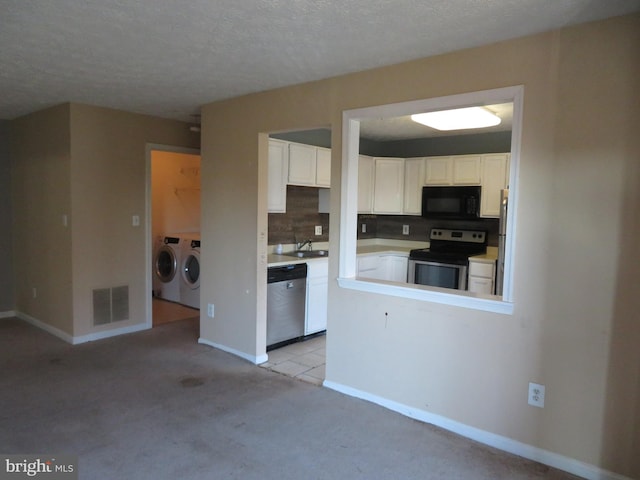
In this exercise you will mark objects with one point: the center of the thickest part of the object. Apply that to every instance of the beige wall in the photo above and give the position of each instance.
(108, 178)
(88, 163)
(175, 187)
(576, 284)
(41, 195)
(7, 303)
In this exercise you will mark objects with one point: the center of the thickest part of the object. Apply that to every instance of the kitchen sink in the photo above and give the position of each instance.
(308, 253)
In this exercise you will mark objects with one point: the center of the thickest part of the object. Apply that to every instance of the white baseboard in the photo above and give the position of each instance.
(561, 462)
(81, 339)
(8, 314)
(56, 332)
(91, 337)
(251, 358)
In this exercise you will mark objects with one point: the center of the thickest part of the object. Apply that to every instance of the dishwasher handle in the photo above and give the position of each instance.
(284, 273)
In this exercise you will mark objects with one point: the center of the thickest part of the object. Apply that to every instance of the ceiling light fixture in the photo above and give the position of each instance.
(458, 119)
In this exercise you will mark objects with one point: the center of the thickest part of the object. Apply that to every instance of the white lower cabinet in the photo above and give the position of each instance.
(394, 267)
(384, 266)
(317, 296)
(368, 266)
(482, 274)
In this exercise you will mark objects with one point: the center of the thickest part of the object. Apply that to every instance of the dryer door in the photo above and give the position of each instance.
(166, 264)
(191, 269)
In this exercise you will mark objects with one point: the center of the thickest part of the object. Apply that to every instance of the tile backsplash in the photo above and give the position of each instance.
(299, 222)
(390, 226)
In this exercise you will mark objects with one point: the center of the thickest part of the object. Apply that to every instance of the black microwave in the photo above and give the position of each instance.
(456, 203)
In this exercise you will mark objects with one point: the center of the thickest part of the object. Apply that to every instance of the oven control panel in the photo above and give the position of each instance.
(467, 236)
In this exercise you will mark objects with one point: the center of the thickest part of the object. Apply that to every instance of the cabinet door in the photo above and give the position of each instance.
(317, 287)
(481, 285)
(494, 175)
(277, 177)
(388, 185)
(317, 296)
(369, 267)
(302, 164)
(323, 167)
(365, 184)
(466, 169)
(437, 171)
(413, 179)
(394, 267)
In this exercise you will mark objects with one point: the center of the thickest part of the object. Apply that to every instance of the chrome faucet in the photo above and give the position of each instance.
(300, 245)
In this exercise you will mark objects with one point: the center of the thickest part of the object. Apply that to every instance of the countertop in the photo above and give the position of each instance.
(364, 247)
(373, 247)
(489, 257)
(275, 260)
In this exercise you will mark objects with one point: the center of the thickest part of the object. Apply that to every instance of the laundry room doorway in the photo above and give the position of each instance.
(173, 232)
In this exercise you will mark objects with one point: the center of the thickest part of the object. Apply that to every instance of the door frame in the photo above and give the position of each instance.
(148, 249)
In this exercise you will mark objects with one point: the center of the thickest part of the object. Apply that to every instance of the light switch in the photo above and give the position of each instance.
(135, 220)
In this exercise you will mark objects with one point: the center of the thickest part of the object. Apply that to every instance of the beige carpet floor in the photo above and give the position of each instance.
(158, 405)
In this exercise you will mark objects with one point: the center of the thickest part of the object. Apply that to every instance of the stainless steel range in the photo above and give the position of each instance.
(446, 261)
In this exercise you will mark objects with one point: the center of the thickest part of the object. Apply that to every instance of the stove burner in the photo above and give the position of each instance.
(452, 246)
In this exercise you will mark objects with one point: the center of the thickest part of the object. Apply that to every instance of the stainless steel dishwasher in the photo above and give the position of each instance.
(286, 297)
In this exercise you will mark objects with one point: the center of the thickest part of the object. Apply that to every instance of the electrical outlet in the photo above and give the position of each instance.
(318, 229)
(210, 310)
(364, 228)
(536, 395)
(405, 229)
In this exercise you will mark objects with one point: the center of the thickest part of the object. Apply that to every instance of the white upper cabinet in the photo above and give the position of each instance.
(494, 178)
(309, 166)
(437, 171)
(452, 170)
(393, 186)
(323, 167)
(388, 185)
(302, 164)
(365, 184)
(466, 170)
(277, 177)
(413, 180)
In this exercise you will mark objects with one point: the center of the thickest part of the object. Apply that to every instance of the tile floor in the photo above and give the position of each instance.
(303, 360)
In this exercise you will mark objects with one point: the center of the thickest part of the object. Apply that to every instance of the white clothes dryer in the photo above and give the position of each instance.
(190, 271)
(167, 258)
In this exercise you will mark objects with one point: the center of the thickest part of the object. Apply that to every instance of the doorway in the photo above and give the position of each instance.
(173, 202)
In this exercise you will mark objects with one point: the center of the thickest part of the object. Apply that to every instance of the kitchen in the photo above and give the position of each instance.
(401, 164)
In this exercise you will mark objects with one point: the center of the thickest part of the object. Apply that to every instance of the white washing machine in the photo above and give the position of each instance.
(190, 271)
(167, 259)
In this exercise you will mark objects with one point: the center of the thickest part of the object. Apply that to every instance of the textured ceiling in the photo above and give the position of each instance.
(402, 128)
(167, 58)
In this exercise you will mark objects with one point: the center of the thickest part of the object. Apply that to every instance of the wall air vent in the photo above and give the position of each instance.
(110, 305)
